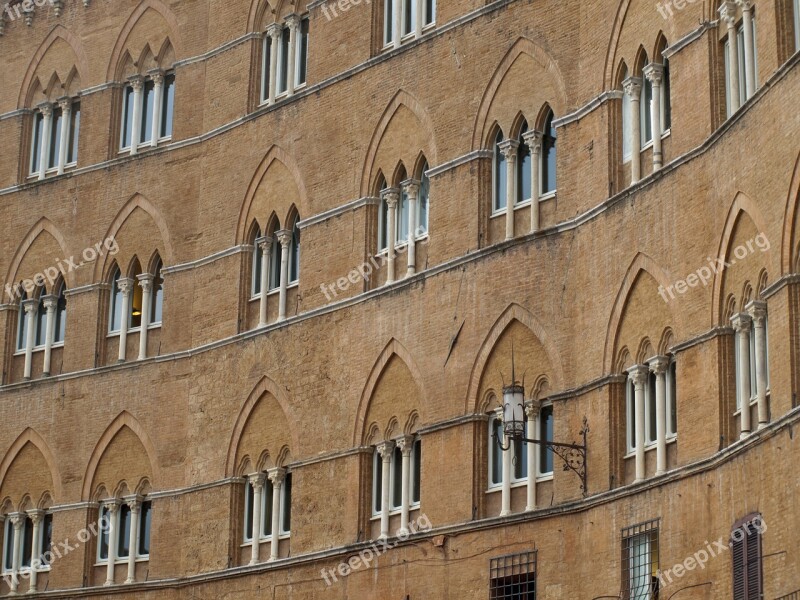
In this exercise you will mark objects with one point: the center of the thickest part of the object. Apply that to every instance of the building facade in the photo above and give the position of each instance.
(269, 267)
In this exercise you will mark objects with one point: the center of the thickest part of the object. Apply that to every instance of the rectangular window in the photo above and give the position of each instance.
(377, 479)
(283, 61)
(430, 12)
(46, 541)
(286, 504)
(55, 138)
(123, 531)
(74, 132)
(423, 208)
(409, 16)
(148, 101)
(266, 51)
(275, 264)
(388, 21)
(513, 577)
(127, 118)
(630, 415)
(383, 227)
(167, 106)
(402, 218)
(753, 386)
(102, 538)
(640, 561)
(626, 127)
(36, 141)
(519, 459)
(256, 276)
(523, 173)
(650, 409)
(301, 53)
(41, 325)
(546, 433)
(416, 471)
(672, 399)
(27, 543)
(646, 126)
(266, 509)
(397, 478)
(145, 520)
(500, 190)
(495, 452)
(745, 546)
(8, 547)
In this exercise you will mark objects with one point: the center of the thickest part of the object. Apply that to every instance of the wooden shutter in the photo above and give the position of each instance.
(746, 553)
(739, 588)
(753, 564)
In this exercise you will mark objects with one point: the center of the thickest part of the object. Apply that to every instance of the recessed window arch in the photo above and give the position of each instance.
(548, 165)
(499, 175)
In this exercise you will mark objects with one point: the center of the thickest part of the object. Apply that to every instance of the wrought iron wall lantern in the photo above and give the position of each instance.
(573, 455)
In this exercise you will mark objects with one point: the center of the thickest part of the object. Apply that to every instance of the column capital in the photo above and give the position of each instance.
(36, 515)
(533, 138)
(411, 187)
(134, 502)
(742, 322)
(745, 5)
(30, 305)
(532, 408)
(391, 196)
(638, 374)
(257, 480)
(112, 505)
(265, 243)
(146, 281)
(284, 237)
(385, 449)
(17, 519)
(276, 475)
(509, 148)
(274, 31)
(292, 19)
(632, 86)
(50, 301)
(157, 75)
(727, 12)
(658, 364)
(125, 284)
(46, 108)
(654, 72)
(137, 82)
(406, 443)
(757, 309)
(65, 103)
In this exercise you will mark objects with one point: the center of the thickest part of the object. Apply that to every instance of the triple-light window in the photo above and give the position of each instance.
(274, 267)
(33, 552)
(651, 409)
(402, 219)
(54, 138)
(287, 61)
(38, 323)
(737, 97)
(404, 19)
(147, 111)
(520, 470)
(136, 304)
(266, 509)
(127, 541)
(396, 479)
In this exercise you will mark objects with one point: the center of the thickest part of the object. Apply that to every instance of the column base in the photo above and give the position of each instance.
(505, 513)
(530, 508)
(411, 271)
(660, 473)
(120, 360)
(129, 581)
(762, 425)
(26, 379)
(744, 435)
(46, 374)
(403, 531)
(107, 583)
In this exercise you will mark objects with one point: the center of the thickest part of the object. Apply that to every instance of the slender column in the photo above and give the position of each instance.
(292, 20)
(50, 304)
(36, 551)
(125, 285)
(742, 325)
(257, 481)
(276, 476)
(420, 4)
(274, 32)
(397, 19)
(137, 82)
(655, 74)
(749, 47)
(534, 140)
(158, 91)
(658, 365)
(633, 87)
(31, 307)
(63, 143)
(135, 504)
(411, 188)
(638, 374)
(113, 509)
(532, 412)
(391, 196)
(509, 150)
(505, 490)
(385, 449)
(285, 238)
(757, 309)
(47, 122)
(406, 444)
(727, 13)
(265, 245)
(146, 283)
(17, 520)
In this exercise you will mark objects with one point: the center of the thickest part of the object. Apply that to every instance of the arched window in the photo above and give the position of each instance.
(255, 285)
(423, 204)
(523, 168)
(115, 310)
(548, 167)
(294, 252)
(60, 329)
(500, 183)
(157, 296)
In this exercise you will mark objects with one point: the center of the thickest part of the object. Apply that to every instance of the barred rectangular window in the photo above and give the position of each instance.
(640, 561)
(513, 577)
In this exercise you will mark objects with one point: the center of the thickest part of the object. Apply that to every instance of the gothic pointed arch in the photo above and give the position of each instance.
(406, 118)
(264, 423)
(40, 249)
(790, 242)
(42, 474)
(127, 437)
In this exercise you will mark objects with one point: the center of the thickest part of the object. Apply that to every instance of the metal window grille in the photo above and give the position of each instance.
(513, 577)
(640, 557)
(792, 596)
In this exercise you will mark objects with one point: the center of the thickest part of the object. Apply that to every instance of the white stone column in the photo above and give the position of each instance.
(17, 521)
(274, 32)
(411, 189)
(63, 143)
(158, 92)
(385, 449)
(397, 20)
(137, 82)
(50, 304)
(534, 140)
(47, 122)
(264, 243)
(36, 517)
(505, 490)
(276, 476)
(532, 412)
(113, 510)
(420, 4)
(638, 373)
(727, 14)
(125, 285)
(655, 74)
(509, 150)
(292, 20)
(742, 325)
(285, 239)
(757, 309)
(390, 196)
(31, 307)
(406, 444)
(749, 47)
(146, 283)
(633, 87)
(658, 365)
(257, 481)
(135, 504)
